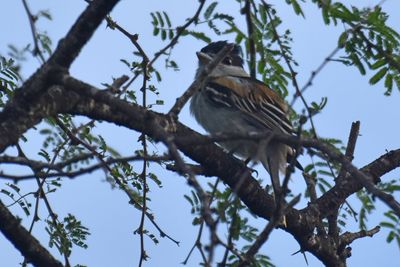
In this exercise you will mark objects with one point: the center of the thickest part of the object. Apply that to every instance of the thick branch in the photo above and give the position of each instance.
(77, 98)
(99, 105)
(182, 135)
(69, 47)
(29, 246)
(351, 145)
(348, 237)
(15, 116)
(344, 188)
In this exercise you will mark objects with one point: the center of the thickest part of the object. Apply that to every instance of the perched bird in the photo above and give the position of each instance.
(232, 102)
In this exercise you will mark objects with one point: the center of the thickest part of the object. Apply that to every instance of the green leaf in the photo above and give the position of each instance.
(356, 61)
(326, 16)
(392, 216)
(378, 64)
(189, 200)
(388, 225)
(200, 35)
(390, 237)
(160, 19)
(171, 34)
(163, 35)
(44, 154)
(167, 19)
(239, 37)
(11, 73)
(158, 75)
(25, 209)
(397, 81)
(263, 14)
(261, 66)
(344, 13)
(210, 10)
(154, 177)
(14, 186)
(308, 168)
(389, 83)
(45, 13)
(378, 76)
(297, 8)
(6, 192)
(154, 21)
(342, 39)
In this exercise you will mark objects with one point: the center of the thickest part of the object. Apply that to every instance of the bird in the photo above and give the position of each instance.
(233, 102)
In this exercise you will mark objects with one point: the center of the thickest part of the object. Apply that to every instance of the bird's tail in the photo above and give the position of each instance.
(274, 160)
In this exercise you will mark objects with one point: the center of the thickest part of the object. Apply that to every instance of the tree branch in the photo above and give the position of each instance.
(86, 100)
(32, 20)
(29, 246)
(201, 80)
(348, 237)
(250, 32)
(69, 47)
(14, 113)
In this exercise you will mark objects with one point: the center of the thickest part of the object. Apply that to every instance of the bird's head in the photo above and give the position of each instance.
(231, 65)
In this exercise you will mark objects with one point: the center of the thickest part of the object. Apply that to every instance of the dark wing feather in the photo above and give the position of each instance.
(252, 97)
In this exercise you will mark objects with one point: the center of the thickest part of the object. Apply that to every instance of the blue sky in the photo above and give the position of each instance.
(107, 213)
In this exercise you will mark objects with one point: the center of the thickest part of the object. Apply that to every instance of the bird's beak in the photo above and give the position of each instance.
(203, 57)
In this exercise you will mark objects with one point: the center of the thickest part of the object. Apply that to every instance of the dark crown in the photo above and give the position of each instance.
(236, 53)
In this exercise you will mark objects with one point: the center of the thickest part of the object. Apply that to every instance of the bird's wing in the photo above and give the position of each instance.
(253, 98)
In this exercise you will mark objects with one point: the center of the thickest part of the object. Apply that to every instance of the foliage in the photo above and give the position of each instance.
(71, 144)
(8, 79)
(368, 42)
(67, 233)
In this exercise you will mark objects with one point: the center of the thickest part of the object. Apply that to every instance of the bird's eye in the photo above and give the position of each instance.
(227, 61)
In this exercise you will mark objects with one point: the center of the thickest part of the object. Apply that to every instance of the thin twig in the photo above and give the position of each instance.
(42, 195)
(42, 165)
(314, 74)
(197, 242)
(132, 37)
(143, 175)
(192, 181)
(121, 184)
(250, 32)
(32, 21)
(278, 214)
(179, 31)
(293, 74)
(89, 169)
(229, 246)
(201, 80)
(29, 246)
(331, 152)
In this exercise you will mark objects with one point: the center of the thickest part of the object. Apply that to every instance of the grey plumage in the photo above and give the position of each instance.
(232, 102)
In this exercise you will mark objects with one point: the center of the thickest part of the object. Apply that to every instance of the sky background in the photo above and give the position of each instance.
(106, 212)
